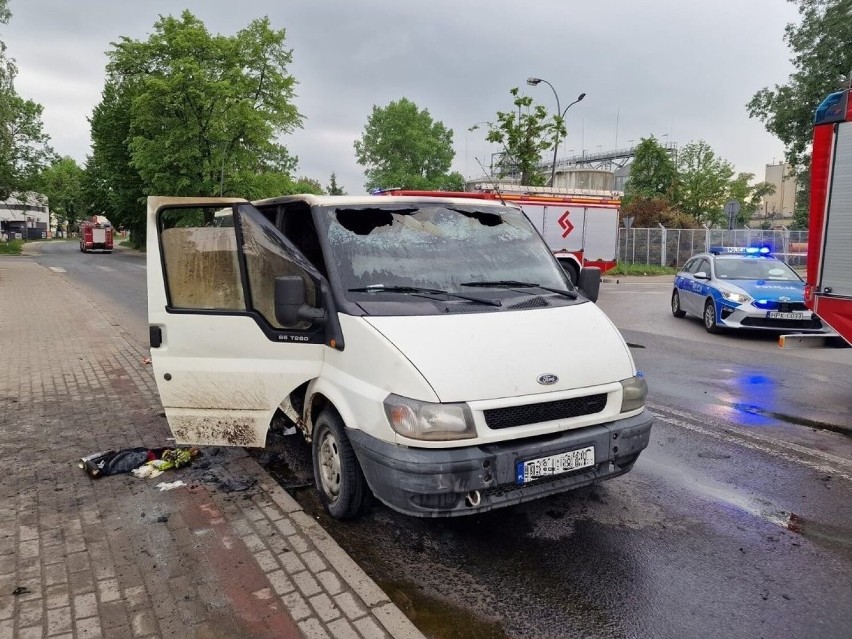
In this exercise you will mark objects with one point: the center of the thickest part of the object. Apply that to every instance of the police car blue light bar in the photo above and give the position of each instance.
(746, 250)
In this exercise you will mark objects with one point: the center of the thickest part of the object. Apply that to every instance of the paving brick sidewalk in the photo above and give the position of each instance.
(231, 555)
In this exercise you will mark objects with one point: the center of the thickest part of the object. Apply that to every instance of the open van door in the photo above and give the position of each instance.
(224, 358)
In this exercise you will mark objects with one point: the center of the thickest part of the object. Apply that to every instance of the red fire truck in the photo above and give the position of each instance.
(95, 236)
(580, 226)
(828, 290)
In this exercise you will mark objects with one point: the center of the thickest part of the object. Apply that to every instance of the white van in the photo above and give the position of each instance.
(431, 350)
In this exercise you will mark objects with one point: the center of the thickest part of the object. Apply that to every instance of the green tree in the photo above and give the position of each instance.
(653, 174)
(750, 196)
(402, 146)
(204, 114)
(62, 183)
(648, 212)
(333, 188)
(24, 147)
(703, 183)
(822, 54)
(525, 133)
(801, 210)
(112, 185)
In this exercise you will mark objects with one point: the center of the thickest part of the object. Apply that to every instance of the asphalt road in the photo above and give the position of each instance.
(735, 522)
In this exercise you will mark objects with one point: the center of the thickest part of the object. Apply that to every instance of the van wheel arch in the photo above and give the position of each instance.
(318, 403)
(571, 268)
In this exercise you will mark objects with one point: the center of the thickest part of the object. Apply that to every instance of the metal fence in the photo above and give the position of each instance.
(672, 247)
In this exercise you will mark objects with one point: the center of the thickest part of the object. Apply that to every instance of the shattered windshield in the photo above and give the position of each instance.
(437, 247)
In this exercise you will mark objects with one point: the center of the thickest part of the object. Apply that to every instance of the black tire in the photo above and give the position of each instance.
(710, 317)
(676, 309)
(573, 274)
(571, 271)
(340, 482)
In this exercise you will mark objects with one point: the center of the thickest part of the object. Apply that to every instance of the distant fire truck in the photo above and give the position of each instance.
(828, 290)
(580, 226)
(95, 236)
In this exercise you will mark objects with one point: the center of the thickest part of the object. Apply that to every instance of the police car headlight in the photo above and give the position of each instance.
(634, 391)
(428, 421)
(737, 298)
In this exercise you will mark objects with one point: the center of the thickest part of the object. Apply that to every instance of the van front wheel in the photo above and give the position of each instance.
(337, 474)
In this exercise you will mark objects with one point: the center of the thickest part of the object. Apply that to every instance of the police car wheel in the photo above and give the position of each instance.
(676, 310)
(710, 317)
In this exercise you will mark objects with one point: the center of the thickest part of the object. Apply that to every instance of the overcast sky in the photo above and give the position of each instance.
(681, 70)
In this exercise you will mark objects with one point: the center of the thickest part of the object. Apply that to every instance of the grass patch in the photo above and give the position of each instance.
(12, 247)
(642, 269)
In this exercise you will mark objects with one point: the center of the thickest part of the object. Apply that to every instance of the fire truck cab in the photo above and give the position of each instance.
(828, 290)
(95, 236)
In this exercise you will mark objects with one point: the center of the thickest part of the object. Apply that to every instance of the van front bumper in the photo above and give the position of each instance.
(448, 482)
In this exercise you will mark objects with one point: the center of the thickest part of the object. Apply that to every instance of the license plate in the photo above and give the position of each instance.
(787, 316)
(527, 471)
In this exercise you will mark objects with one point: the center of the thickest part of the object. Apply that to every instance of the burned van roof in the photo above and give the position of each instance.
(344, 201)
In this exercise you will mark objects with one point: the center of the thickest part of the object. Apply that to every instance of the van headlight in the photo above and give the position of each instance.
(425, 420)
(633, 393)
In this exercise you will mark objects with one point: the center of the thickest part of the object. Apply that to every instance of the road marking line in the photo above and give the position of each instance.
(760, 444)
(108, 269)
(769, 441)
(57, 269)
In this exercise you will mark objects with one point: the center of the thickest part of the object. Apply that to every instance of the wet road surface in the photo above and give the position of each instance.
(736, 521)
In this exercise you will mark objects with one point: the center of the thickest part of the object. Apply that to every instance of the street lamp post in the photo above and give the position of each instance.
(534, 82)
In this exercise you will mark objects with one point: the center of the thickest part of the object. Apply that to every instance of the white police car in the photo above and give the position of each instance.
(732, 287)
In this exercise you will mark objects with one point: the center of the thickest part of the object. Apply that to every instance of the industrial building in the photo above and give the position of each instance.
(24, 216)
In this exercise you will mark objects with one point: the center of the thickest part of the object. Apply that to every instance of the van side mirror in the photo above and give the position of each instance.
(590, 282)
(290, 307)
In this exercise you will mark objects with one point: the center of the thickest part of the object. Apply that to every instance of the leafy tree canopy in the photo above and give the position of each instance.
(688, 192)
(822, 54)
(651, 211)
(112, 185)
(525, 133)
(703, 182)
(821, 46)
(24, 147)
(402, 146)
(186, 112)
(333, 187)
(652, 173)
(750, 196)
(62, 183)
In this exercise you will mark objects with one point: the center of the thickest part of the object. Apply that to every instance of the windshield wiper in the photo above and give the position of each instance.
(572, 295)
(422, 292)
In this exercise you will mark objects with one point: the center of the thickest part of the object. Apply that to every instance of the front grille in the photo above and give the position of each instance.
(784, 307)
(497, 418)
(764, 322)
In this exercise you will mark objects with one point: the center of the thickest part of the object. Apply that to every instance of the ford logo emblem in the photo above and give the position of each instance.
(547, 379)
(783, 298)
